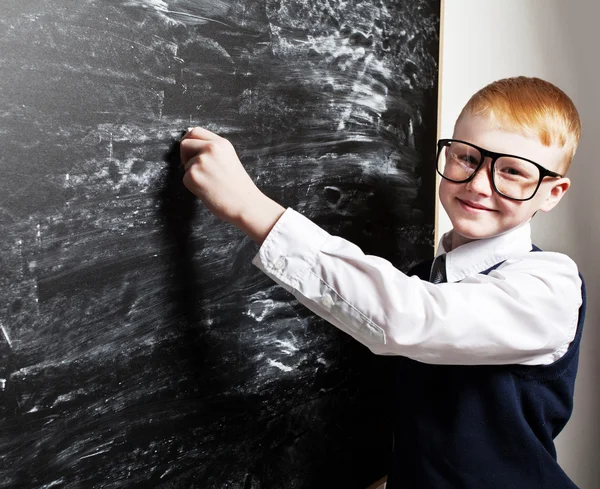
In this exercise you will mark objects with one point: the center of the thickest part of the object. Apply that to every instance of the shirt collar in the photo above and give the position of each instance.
(479, 255)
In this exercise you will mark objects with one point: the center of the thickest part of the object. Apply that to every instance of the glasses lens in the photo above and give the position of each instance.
(516, 178)
(457, 161)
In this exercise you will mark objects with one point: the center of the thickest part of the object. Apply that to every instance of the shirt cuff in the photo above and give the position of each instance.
(290, 249)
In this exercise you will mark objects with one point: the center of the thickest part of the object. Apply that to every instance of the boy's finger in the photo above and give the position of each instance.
(189, 163)
(199, 133)
(188, 148)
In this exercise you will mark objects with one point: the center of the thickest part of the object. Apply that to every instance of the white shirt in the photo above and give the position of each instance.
(523, 312)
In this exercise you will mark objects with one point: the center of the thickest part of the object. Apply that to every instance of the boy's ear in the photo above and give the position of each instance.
(558, 189)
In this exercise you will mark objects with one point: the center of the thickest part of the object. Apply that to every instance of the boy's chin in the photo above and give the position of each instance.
(471, 233)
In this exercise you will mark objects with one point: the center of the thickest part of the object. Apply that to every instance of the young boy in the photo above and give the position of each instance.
(487, 340)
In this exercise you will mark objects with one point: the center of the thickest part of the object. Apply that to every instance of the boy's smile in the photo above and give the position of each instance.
(474, 208)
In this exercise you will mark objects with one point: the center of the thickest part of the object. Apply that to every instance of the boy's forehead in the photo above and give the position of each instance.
(490, 135)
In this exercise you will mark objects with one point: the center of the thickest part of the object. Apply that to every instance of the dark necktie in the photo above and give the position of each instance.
(438, 270)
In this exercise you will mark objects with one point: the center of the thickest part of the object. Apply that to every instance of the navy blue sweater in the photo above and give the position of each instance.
(481, 427)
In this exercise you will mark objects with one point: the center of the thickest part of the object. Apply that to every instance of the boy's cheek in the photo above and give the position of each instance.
(444, 194)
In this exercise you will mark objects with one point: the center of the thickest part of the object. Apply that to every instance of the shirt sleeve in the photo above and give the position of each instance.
(524, 312)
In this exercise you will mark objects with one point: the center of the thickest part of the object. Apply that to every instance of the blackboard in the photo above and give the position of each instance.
(139, 347)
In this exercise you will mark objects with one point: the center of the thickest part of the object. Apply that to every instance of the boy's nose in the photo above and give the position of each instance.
(482, 181)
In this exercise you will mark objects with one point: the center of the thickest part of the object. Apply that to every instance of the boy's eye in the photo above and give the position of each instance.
(511, 171)
(513, 168)
(467, 158)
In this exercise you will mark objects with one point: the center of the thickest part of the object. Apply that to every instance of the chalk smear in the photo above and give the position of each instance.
(183, 15)
(280, 366)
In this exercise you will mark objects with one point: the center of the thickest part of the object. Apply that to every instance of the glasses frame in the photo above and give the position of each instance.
(443, 143)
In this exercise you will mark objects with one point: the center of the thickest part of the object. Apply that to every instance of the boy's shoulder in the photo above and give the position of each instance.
(540, 262)
(547, 278)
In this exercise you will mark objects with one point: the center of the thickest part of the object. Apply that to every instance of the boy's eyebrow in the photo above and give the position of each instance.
(496, 153)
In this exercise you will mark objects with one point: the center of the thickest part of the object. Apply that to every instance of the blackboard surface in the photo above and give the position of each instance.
(138, 345)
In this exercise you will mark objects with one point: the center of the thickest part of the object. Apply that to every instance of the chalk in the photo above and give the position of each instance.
(184, 136)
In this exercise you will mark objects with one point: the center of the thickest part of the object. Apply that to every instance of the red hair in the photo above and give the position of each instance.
(533, 107)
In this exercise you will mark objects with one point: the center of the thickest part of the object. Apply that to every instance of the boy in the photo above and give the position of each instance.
(487, 339)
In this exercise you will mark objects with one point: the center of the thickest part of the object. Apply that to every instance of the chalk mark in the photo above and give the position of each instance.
(6, 335)
(94, 454)
(193, 16)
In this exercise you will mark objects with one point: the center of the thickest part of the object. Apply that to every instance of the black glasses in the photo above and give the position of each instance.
(513, 177)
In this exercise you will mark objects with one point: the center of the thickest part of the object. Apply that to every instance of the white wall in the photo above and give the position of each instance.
(557, 40)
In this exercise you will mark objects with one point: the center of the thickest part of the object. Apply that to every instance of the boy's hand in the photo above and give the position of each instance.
(214, 173)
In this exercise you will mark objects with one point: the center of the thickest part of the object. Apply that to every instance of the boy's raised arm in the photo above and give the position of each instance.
(500, 318)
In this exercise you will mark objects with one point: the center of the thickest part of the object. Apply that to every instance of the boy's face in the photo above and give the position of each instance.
(474, 208)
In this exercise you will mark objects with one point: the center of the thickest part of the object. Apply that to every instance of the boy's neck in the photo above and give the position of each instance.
(457, 240)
